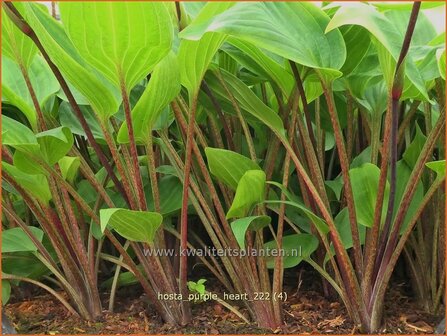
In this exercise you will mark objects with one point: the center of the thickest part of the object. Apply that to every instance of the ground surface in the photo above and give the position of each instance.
(306, 312)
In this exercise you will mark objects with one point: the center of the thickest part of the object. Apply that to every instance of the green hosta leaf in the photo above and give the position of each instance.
(366, 73)
(254, 59)
(250, 191)
(193, 8)
(194, 62)
(163, 87)
(36, 185)
(14, 88)
(336, 186)
(228, 166)
(385, 31)
(137, 226)
(95, 88)
(319, 223)
(6, 291)
(405, 6)
(252, 104)
(375, 99)
(440, 56)
(297, 247)
(357, 42)
(16, 45)
(24, 264)
(359, 160)
(290, 29)
(69, 166)
(124, 279)
(412, 152)
(124, 40)
(253, 223)
(68, 119)
(18, 136)
(195, 56)
(403, 175)
(365, 181)
(55, 143)
(344, 229)
(438, 167)
(16, 240)
(170, 195)
(424, 31)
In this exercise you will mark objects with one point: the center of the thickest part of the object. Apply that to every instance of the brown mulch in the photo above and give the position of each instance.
(306, 311)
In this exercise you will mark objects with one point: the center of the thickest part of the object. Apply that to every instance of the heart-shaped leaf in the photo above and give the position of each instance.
(16, 240)
(252, 223)
(137, 226)
(365, 181)
(250, 191)
(123, 40)
(228, 166)
(295, 248)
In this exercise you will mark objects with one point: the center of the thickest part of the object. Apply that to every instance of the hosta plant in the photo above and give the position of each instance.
(152, 126)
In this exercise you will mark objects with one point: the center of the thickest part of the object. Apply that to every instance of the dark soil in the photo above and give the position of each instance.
(306, 311)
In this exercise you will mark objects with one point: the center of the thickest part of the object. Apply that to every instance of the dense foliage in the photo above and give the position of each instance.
(137, 126)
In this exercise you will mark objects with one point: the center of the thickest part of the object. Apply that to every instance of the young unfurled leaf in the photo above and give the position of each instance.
(228, 166)
(250, 191)
(16, 240)
(296, 248)
(137, 226)
(253, 223)
(123, 40)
